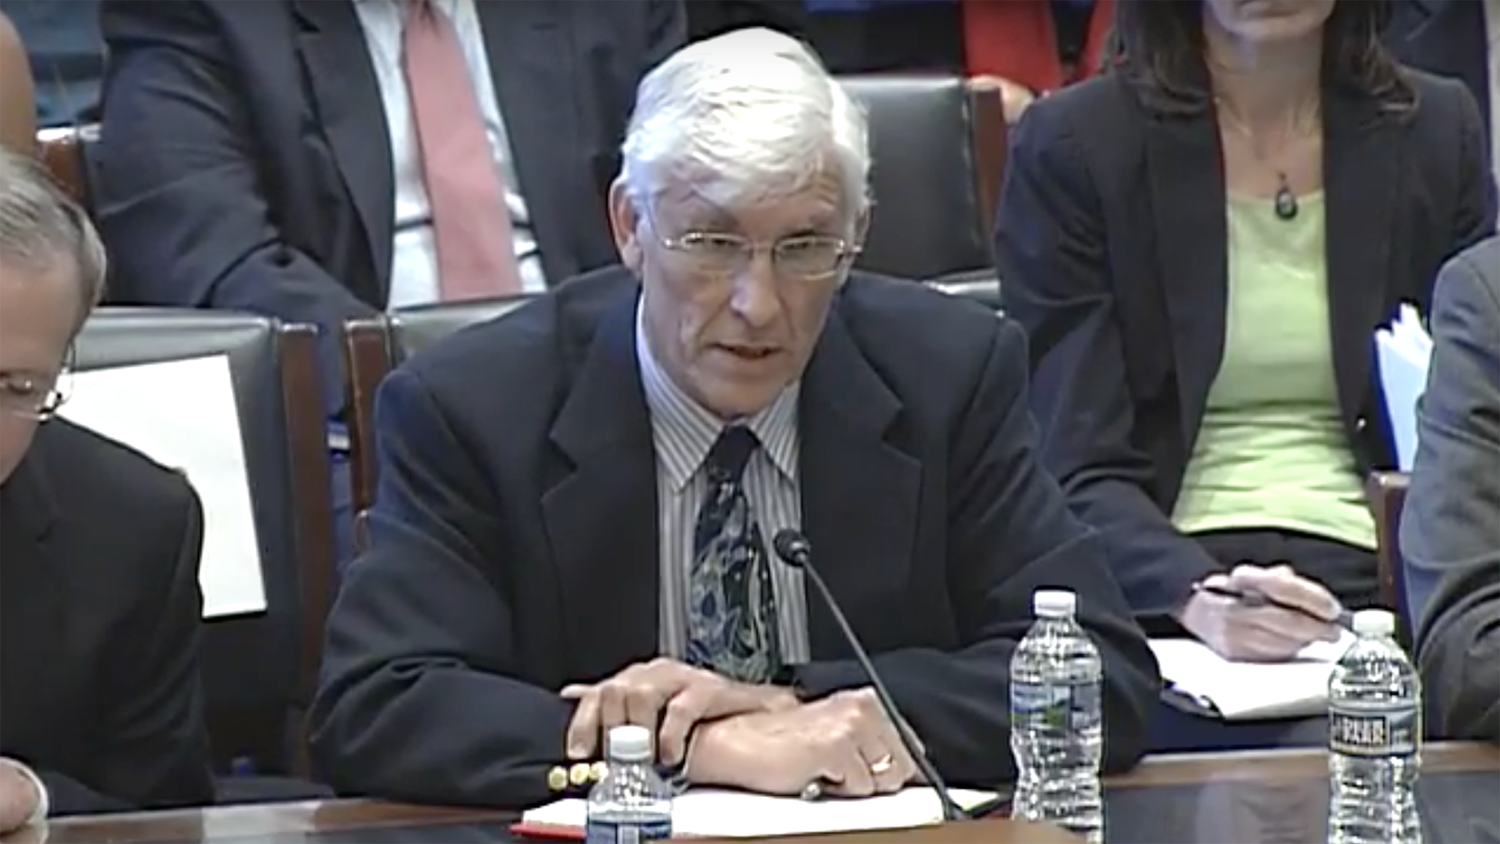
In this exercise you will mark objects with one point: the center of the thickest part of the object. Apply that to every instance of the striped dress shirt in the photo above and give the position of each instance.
(684, 432)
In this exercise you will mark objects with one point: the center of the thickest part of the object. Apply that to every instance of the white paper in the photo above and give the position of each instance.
(736, 814)
(183, 415)
(1249, 690)
(1402, 354)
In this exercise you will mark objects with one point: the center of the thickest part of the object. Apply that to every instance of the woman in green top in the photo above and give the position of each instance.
(1200, 246)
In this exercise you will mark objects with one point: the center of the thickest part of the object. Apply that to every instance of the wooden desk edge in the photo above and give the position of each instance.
(277, 819)
(1290, 763)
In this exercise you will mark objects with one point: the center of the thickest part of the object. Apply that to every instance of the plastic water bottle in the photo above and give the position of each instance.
(1374, 738)
(631, 802)
(1056, 720)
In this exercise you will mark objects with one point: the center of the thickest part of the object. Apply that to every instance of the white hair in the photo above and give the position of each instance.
(43, 231)
(742, 116)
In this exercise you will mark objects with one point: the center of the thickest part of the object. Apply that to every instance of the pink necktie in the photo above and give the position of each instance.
(475, 244)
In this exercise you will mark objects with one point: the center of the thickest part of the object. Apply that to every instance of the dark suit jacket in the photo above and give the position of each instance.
(99, 619)
(707, 18)
(246, 161)
(1112, 251)
(1446, 37)
(514, 541)
(1450, 526)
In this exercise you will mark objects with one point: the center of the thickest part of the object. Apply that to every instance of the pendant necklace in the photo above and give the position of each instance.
(1285, 201)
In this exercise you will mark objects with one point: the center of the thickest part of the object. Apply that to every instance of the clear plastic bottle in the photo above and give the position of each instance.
(631, 802)
(1056, 720)
(1374, 738)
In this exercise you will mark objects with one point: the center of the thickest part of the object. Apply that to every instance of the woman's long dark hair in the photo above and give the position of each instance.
(1159, 45)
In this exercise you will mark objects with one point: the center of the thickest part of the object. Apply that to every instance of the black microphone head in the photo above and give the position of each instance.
(792, 547)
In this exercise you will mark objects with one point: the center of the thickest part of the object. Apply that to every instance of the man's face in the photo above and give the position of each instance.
(733, 329)
(37, 315)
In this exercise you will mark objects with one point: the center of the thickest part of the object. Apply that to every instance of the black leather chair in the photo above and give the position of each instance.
(373, 347)
(66, 151)
(938, 148)
(1386, 492)
(983, 286)
(258, 670)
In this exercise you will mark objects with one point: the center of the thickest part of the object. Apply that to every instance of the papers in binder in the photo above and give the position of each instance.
(735, 814)
(183, 415)
(1402, 353)
(1240, 691)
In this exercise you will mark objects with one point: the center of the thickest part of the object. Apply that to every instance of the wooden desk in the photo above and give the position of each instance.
(248, 823)
(1298, 765)
(1151, 804)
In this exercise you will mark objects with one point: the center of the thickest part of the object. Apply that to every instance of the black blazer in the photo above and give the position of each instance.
(1112, 249)
(246, 164)
(513, 543)
(1446, 37)
(707, 18)
(99, 619)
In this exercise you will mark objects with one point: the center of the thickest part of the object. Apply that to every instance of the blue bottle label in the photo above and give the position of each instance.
(1059, 705)
(632, 832)
(1358, 731)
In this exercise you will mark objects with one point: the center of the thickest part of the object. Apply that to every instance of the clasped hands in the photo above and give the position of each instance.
(756, 737)
(1266, 633)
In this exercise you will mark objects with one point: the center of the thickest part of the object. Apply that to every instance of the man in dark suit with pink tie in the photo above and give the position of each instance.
(320, 160)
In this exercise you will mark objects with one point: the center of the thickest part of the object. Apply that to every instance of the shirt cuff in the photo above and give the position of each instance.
(43, 805)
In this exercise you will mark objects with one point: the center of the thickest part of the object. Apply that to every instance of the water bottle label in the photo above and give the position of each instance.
(1064, 706)
(1373, 732)
(611, 832)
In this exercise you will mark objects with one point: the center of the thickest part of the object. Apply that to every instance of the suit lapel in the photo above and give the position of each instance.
(1448, 38)
(532, 68)
(336, 62)
(1183, 159)
(32, 607)
(859, 493)
(1361, 179)
(601, 519)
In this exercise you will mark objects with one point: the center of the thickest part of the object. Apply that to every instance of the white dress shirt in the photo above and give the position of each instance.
(414, 271)
(684, 432)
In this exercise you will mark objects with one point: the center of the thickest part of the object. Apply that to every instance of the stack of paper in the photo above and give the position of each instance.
(183, 414)
(1240, 691)
(735, 814)
(1402, 352)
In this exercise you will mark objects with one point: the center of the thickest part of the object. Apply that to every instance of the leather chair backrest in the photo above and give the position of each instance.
(413, 329)
(373, 347)
(929, 216)
(253, 665)
(983, 286)
(67, 153)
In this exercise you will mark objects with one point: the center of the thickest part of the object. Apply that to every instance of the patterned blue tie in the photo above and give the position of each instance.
(732, 625)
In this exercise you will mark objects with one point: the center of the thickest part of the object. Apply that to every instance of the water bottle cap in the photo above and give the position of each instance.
(629, 743)
(1053, 602)
(1374, 623)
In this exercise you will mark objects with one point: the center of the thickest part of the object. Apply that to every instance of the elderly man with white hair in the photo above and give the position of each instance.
(576, 504)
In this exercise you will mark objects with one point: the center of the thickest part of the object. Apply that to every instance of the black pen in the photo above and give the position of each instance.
(1252, 599)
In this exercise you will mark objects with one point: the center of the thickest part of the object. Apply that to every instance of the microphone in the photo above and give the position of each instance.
(794, 550)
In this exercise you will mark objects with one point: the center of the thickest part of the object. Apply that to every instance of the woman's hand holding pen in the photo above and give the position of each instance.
(1294, 613)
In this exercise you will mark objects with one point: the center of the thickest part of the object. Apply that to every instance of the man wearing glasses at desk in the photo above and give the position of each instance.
(577, 502)
(99, 603)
